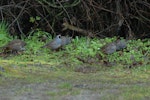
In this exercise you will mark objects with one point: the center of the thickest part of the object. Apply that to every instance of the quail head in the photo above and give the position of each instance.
(14, 46)
(109, 48)
(121, 44)
(54, 44)
(65, 40)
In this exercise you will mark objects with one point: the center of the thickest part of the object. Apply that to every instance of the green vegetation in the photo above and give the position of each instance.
(130, 66)
(4, 36)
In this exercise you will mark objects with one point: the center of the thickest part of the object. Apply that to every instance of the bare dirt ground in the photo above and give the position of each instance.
(65, 89)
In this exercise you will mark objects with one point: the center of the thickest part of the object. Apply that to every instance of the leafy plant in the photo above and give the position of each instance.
(33, 42)
(4, 36)
(34, 19)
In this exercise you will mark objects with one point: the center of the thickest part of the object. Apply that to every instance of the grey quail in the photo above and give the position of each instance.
(65, 40)
(55, 44)
(121, 44)
(109, 48)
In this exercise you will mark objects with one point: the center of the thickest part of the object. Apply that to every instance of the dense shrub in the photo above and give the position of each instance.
(126, 18)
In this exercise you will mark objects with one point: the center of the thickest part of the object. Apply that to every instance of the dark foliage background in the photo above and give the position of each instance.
(125, 18)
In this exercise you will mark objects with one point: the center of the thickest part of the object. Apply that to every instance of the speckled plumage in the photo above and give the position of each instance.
(14, 46)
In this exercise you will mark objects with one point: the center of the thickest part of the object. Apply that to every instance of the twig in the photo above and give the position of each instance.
(73, 28)
(19, 16)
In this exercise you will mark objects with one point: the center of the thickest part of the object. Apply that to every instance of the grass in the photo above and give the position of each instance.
(39, 65)
(4, 37)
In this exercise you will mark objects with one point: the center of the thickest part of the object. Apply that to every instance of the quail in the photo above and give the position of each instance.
(65, 40)
(121, 44)
(14, 46)
(109, 48)
(55, 44)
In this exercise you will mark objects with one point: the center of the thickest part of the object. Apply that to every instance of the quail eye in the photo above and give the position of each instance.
(59, 36)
